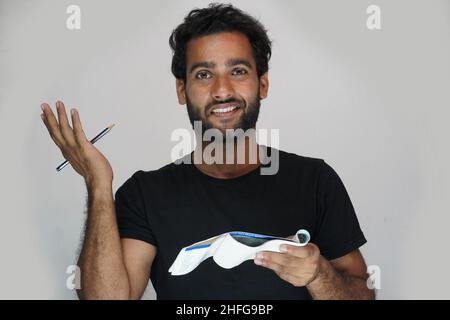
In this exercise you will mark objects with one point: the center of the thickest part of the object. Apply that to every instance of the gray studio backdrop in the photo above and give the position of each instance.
(372, 103)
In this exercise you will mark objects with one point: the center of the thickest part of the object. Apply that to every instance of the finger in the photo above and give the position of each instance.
(66, 130)
(275, 257)
(287, 273)
(80, 137)
(301, 252)
(52, 125)
(269, 264)
(279, 268)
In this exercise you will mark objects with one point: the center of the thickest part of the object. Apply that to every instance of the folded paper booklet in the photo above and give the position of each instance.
(231, 249)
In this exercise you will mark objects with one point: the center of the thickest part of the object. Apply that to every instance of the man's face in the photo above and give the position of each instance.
(222, 87)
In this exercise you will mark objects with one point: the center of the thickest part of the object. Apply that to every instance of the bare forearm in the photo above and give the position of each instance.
(333, 285)
(103, 273)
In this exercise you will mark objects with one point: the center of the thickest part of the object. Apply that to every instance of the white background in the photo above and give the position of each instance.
(373, 104)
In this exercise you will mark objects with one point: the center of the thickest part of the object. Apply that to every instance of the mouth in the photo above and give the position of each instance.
(225, 109)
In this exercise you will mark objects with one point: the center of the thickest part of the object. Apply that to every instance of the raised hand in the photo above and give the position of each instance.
(87, 160)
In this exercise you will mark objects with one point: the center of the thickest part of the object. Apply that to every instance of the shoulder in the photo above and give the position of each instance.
(293, 162)
(295, 158)
(165, 175)
(307, 169)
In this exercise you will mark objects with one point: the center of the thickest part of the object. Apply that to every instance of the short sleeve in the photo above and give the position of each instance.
(132, 218)
(338, 231)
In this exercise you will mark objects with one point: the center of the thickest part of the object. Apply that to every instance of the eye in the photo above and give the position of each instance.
(239, 72)
(203, 75)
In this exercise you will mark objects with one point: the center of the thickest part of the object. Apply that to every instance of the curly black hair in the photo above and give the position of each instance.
(214, 19)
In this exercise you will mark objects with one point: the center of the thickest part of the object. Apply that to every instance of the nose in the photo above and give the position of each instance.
(222, 89)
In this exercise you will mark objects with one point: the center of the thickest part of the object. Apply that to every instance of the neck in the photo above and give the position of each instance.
(228, 160)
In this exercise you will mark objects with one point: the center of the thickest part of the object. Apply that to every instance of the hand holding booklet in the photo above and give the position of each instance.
(231, 249)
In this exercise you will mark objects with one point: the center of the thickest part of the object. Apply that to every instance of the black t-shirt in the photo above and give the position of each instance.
(178, 205)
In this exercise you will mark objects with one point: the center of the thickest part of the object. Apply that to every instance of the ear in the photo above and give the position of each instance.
(263, 85)
(181, 91)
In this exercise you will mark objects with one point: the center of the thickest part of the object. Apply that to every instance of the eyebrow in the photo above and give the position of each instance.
(212, 65)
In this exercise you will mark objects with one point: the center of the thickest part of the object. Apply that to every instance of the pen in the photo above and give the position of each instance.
(94, 140)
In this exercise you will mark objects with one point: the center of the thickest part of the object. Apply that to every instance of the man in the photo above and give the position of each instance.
(220, 63)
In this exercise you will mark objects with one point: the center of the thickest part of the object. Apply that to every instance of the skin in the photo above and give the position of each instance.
(221, 67)
(114, 268)
(111, 268)
(343, 278)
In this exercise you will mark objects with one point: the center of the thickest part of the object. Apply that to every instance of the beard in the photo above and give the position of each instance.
(247, 120)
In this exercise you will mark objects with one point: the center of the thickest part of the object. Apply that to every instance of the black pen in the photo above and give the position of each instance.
(96, 138)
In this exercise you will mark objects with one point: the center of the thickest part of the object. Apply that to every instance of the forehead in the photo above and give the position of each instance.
(219, 48)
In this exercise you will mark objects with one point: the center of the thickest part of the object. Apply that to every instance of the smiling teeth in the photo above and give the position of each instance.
(225, 109)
